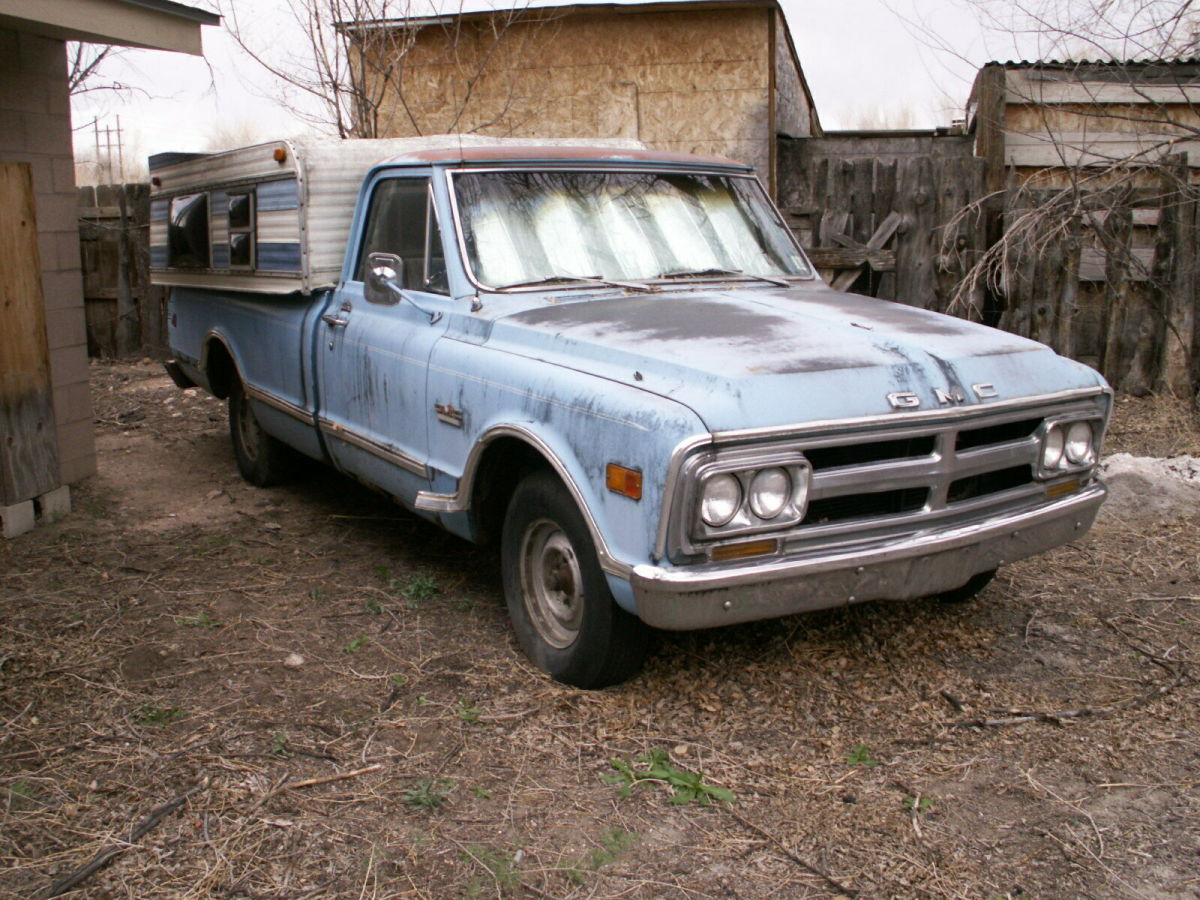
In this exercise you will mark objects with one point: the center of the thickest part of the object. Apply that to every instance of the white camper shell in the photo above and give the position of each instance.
(274, 218)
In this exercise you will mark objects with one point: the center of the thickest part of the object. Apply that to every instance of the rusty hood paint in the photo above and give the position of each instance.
(756, 357)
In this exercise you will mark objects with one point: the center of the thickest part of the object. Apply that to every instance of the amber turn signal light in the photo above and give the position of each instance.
(623, 481)
(744, 549)
(280, 155)
(1064, 487)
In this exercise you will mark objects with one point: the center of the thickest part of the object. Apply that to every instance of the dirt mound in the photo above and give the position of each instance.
(1149, 486)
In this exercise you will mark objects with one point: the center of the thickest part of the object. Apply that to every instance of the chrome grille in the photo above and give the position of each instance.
(893, 478)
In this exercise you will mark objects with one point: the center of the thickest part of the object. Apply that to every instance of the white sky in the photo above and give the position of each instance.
(869, 63)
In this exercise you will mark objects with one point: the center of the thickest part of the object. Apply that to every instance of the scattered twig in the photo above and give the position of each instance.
(798, 860)
(312, 782)
(1177, 673)
(101, 859)
(952, 700)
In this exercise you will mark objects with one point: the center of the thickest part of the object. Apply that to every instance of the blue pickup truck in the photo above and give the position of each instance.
(618, 364)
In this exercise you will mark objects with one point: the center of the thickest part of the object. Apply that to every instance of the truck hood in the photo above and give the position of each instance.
(758, 357)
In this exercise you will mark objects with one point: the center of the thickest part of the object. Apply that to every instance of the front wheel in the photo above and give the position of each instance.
(558, 598)
(262, 460)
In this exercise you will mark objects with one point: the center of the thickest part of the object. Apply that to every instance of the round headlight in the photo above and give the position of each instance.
(721, 500)
(769, 493)
(1079, 443)
(1052, 448)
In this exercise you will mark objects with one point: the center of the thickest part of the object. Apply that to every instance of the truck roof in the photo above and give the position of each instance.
(555, 151)
(462, 149)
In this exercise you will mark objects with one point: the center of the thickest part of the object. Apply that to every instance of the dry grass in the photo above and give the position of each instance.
(1154, 426)
(331, 686)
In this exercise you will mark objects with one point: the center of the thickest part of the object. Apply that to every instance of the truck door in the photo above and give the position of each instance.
(372, 358)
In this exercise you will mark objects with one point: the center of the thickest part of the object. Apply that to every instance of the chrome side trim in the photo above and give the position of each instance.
(679, 455)
(439, 503)
(931, 416)
(375, 448)
(460, 501)
(278, 403)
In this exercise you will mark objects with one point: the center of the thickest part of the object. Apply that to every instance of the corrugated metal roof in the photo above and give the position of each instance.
(1106, 63)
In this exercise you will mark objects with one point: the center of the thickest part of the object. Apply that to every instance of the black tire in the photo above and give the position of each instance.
(561, 608)
(969, 590)
(262, 460)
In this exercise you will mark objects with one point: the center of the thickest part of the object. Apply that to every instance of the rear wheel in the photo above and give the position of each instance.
(969, 590)
(558, 598)
(262, 460)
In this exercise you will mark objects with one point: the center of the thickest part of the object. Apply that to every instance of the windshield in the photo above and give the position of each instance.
(529, 227)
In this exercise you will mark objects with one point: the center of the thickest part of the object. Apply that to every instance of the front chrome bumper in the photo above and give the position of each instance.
(915, 565)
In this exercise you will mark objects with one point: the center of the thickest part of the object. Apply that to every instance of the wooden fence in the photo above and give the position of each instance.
(125, 313)
(877, 213)
(1114, 285)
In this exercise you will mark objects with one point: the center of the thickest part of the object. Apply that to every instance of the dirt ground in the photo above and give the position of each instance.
(305, 692)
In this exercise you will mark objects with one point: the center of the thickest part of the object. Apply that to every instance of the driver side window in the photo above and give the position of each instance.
(401, 220)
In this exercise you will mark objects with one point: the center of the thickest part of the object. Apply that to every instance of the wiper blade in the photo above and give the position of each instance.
(702, 273)
(577, 279)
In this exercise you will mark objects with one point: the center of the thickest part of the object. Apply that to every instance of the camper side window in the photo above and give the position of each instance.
(187, 232)
(241, 230)
(401, 220)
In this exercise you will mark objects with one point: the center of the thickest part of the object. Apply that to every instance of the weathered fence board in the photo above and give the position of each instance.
(125, 312)
(28, 441)
(836, 188)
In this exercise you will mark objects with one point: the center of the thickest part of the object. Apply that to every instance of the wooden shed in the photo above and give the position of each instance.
(718, 78)
(1044, 119)
(45, 409)
(1095, 166)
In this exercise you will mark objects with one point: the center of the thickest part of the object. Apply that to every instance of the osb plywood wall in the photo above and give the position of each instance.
(694, 82)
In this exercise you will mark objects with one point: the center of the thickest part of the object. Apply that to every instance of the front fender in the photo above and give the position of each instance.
(579, 422)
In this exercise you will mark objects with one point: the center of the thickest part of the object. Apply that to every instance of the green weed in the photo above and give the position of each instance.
(502, 874)
(429, 793)
(925, 804)
(614, 843)
(279, 747)
(158, 716)
(20, 794)
(355, 645)
(860, 755)
(204, 620)
(655, 768)
(468, 713)
(415, 590)
(373, 606)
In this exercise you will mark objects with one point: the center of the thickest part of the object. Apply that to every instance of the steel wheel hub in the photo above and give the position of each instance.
(551, 583)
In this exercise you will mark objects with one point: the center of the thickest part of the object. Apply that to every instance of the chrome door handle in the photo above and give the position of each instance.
(333, 321)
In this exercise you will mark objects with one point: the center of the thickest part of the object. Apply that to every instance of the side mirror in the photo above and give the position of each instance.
(385, 279)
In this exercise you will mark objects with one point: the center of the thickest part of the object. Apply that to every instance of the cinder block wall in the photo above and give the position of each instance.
(35, 127)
